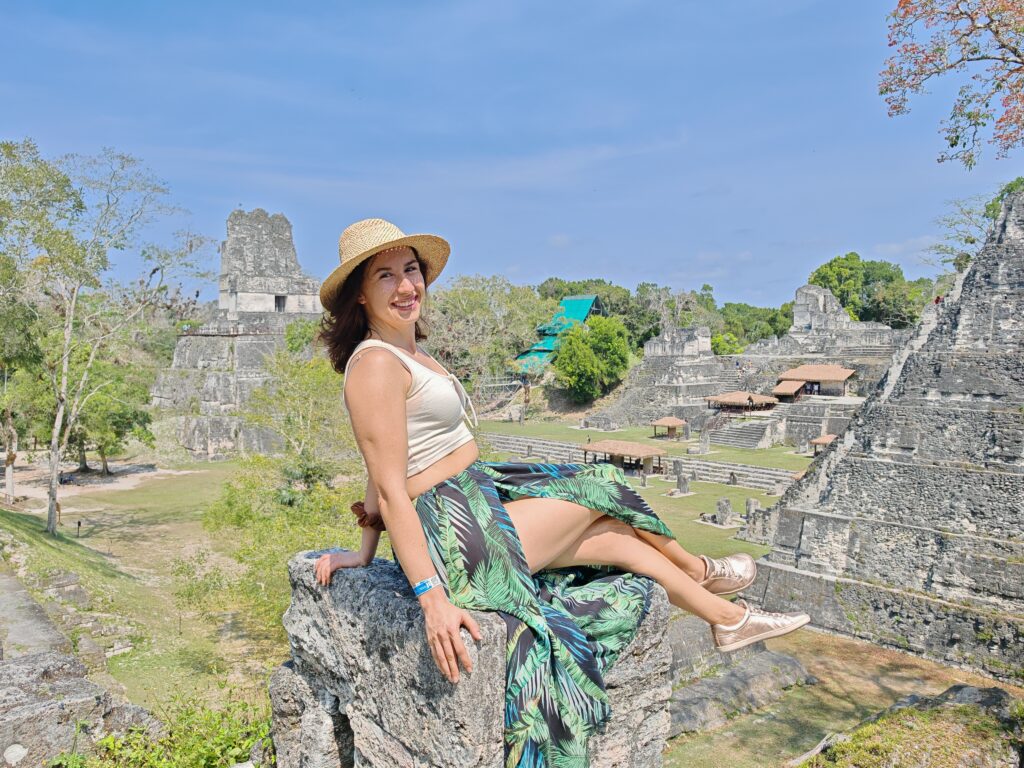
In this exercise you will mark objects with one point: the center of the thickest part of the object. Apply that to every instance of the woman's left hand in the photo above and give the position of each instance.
(327, 564)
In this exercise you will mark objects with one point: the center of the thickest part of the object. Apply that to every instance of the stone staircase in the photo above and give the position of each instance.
(746, 434)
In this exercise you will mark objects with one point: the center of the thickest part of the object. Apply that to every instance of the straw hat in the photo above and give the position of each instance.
(365, 238)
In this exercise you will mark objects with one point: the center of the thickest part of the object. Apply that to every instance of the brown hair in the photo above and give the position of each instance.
(344, 322)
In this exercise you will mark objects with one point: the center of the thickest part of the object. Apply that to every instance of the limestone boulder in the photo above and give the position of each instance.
(362, 688)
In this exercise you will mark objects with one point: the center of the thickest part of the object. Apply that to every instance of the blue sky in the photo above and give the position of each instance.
(736, 143)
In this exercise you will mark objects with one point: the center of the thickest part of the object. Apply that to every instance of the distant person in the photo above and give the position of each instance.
(450, 515)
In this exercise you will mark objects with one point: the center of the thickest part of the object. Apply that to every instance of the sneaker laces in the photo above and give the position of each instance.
(723, 568)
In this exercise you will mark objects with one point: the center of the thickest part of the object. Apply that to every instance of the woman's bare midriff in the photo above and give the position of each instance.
(442, 469)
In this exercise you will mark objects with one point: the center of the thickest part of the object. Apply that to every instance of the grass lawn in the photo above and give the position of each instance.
(779, 457)
(124, 558)
(857, 679)
(680, 514)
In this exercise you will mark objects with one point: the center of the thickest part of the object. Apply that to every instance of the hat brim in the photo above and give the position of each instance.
(432, 249)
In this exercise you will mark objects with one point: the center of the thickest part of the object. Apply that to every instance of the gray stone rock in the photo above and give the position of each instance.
(748, 685)
(44, 696)
(363, 689)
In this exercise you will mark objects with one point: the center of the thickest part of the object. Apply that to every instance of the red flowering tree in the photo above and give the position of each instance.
(982, 37)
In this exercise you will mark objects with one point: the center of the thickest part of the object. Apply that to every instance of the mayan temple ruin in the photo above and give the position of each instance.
(218, 365)
(679, 371)
(908, 530)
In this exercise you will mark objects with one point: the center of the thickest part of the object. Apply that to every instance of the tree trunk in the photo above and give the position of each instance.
(11, 446)
(83, 464)
(103, 458)
(51, 507)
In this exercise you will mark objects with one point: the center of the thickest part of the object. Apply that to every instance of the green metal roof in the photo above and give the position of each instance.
(571, 310)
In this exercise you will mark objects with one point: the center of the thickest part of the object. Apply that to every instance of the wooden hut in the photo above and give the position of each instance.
(623, 453)
(820, 379)
(670, 423)
(819, 443)
(741, 401)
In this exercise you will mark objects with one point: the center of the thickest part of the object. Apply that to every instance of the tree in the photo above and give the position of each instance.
(985, 37)
(118, 411)
(844, 277)
(478, 324)
(592, 358)
(301, 403)
(965, 226)
(725, 344)
(577, 367)
(63, 229)
(18, 351)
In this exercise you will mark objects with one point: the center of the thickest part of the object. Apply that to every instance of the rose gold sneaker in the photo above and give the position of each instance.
(755, 625)
(728, 575)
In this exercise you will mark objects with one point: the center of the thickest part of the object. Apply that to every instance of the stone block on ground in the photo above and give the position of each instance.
(44, 697)
(362, 688)
(750, 684)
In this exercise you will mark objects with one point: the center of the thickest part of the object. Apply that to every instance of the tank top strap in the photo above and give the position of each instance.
(366, 343)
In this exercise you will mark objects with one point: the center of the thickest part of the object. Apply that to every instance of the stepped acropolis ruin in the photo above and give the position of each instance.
(218, 365)
(679, 370)
(908, 530)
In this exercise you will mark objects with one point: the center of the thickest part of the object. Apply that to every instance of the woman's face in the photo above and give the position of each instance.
(393, 288)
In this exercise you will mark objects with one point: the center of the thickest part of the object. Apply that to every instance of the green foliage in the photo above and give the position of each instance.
(748, 324)
(995, 205)
(577, 367)
(199, 584)
(197, 736)
(593, 358)
(874, 290)
(299, 335)
(302, 404)
(725, 344)
(479, 324)
(276, 514)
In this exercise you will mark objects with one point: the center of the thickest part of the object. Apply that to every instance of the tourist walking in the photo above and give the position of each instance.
(565, 553)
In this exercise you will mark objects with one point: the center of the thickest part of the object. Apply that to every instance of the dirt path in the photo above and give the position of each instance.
(24, 626)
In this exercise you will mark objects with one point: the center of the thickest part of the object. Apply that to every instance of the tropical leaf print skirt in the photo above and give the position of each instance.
(567, 626)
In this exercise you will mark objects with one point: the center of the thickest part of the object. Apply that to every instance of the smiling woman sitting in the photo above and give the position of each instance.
(565, 553)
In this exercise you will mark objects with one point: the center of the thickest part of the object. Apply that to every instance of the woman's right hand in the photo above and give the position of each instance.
(443, 622)
(367, 518)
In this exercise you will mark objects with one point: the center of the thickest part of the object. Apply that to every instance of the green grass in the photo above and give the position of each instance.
(129, 541)
(779, 457)
(680, 514)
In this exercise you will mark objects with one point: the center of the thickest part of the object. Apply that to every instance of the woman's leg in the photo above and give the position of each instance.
(557, 534)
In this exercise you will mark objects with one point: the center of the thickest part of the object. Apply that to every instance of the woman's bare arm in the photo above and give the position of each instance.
(375, 392)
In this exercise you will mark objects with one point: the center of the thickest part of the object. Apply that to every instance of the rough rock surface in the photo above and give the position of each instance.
(709, 687)
(362, 688)
(907, 531)
(756, 682)
(43, 696)
(217, 366)
(963, 727)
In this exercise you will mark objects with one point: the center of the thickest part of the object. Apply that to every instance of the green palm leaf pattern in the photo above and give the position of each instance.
(556, 653)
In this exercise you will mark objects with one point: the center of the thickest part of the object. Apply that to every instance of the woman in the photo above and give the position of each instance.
(557, 549)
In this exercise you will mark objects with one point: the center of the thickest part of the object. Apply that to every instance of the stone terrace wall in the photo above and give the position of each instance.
(910, 530)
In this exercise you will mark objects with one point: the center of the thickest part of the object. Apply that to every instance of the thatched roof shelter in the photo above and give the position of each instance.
(788, 388)
(741, 399)
(620, 451)
(807, 373)
(823, 440)
(670, 423)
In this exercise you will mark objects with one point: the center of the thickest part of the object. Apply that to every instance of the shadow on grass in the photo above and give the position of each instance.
(51, 552)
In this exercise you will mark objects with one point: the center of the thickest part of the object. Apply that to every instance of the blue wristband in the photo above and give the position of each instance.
(426, 585)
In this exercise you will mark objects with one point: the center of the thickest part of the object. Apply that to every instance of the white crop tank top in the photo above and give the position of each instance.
(435, 409)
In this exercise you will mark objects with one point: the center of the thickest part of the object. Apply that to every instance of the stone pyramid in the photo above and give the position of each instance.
(910, 530)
